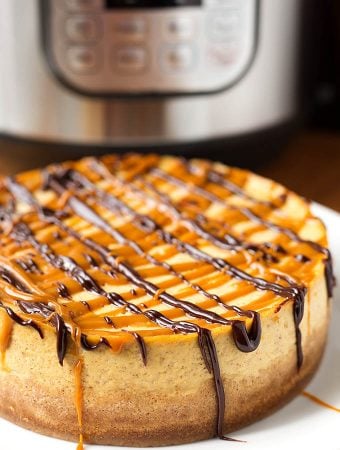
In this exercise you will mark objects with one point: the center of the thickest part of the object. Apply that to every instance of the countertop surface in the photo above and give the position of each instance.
(309, 165)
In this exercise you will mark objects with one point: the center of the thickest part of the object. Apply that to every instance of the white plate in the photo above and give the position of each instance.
(302, 423)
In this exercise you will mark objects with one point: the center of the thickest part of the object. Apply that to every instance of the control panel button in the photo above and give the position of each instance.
(82, 28)
(131, 59)
(131, 28)
(83, 5)
(179, 28)
(177, 58)
(223, 26)
(82, 59)
(223, 55)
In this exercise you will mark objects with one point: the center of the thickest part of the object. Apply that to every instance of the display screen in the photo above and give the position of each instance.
(150, 3)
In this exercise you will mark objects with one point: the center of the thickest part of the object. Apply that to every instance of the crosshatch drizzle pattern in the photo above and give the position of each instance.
(116, 249)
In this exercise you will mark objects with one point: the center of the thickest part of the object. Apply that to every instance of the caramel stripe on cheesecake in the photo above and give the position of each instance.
(93, 228)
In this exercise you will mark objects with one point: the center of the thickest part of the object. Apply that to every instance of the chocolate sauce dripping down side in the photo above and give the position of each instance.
(87, 346)
(20, 321)
(208, 350)
(62, 337)
(141, 344)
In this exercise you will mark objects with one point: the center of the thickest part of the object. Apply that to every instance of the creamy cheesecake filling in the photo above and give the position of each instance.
(131, 247)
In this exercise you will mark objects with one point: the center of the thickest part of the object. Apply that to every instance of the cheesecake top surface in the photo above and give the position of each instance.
(139, 247)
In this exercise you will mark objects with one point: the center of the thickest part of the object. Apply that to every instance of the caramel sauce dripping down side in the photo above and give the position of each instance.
(6, 327)
(78, 369)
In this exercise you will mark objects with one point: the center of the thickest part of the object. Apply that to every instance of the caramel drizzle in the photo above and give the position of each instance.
(87, 213)
(294, 291)
(21, 232)
(244, 339)
(251, 215)
(112, 203)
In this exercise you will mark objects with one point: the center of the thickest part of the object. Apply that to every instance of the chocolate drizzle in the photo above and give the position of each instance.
(293, 291)
(26, 323)
(28, 265)
(63, 291)
(87, 346)
(13, 280)
(141, 344)
(82, 198)
(330, 279)
(60, 183)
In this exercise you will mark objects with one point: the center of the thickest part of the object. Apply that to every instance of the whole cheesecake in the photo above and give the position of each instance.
(150, 300)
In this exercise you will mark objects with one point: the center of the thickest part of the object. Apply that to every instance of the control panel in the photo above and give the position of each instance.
(132, 47)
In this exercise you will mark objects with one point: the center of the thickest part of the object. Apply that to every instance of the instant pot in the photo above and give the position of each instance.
(149, 74)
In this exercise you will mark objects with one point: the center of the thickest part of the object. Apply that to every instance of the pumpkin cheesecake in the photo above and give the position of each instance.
(150, 300)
